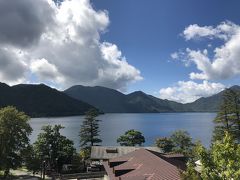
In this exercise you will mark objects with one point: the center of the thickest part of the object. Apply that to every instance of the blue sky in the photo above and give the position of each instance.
(147, 32)
(176, 50)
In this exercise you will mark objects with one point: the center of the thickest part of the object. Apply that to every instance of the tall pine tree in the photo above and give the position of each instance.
(228, 117)
(89, 132)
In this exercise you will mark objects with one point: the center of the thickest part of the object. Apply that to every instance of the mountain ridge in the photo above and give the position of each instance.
(40, 100)
(140, 102)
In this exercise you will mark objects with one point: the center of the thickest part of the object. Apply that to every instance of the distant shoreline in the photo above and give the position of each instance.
(125, 113)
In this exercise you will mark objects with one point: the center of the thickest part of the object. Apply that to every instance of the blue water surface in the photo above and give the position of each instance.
(199, 125)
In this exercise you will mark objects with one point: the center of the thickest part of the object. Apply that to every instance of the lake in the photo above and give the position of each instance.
(199, 125)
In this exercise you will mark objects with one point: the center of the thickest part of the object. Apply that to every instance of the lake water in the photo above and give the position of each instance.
(199, 125)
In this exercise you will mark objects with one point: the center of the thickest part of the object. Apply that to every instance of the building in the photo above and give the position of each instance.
(143, 164)
(104, 153)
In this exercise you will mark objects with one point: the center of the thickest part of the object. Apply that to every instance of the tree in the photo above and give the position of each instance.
(182, 142)
(221, 162)
(165, 144)
(84, 154)
(228, 117)
(89, 132)
(14, 138)
(53, 147)
(31, 160)
(131, 138)
(190, 173)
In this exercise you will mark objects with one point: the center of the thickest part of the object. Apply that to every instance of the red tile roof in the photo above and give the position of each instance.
(143, 164)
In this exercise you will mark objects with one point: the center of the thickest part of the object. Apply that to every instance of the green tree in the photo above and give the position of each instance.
(89, 132)
(228, 117)
(190, 173)
(53, 147)
(14, 138)
(182, 142)
(221, 162)
(165, 144)
(31, 160)
(131, 138)
(84, 154)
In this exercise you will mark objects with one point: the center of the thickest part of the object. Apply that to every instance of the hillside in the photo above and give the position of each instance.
(105, 99)
(209, 104)
(41, 100)
(143, 103)
(112, 101)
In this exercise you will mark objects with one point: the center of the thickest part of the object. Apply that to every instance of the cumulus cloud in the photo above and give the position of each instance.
(223, 31)
(224, 63)
(45, 70)
(195, 31)
(189, 91)
(116, 67)
(23, 22)
(61, 43)
(12, 70)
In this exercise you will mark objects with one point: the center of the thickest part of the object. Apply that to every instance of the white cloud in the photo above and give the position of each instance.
(195, 31)
(189, 91)
(224, 63)
(44, 70)
(116, 67)
(174, 55)
(223, 31)
(66, 49)
(12, 70)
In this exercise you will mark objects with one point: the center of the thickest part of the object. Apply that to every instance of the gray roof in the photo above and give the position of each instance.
(109, 152)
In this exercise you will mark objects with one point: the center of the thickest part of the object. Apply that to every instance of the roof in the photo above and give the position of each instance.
(109, 152)
(143, 164)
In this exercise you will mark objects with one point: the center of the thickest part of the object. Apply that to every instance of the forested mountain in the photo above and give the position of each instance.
(107, 100)
(112, 101)
(209, 104)
(40, 100)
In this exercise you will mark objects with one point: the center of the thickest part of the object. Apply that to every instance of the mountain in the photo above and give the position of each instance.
(144, 103)
(209, 104)
(41, 100)
(105, 99)
(175, 106)
(112, 101)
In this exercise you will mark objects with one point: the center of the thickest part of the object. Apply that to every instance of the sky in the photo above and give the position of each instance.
(176, 50)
